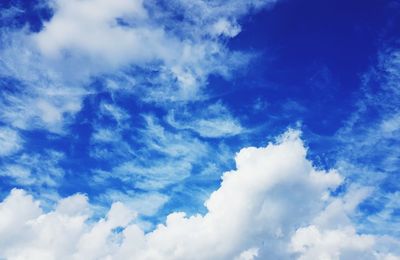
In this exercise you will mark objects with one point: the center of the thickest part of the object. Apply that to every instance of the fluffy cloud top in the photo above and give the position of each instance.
(275, 205)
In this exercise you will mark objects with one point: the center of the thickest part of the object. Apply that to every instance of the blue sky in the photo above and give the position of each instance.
(128, 129)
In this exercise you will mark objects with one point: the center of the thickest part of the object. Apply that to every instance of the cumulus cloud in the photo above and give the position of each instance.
(274, 205)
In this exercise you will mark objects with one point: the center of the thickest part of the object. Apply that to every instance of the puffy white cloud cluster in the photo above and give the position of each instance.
(275, 205)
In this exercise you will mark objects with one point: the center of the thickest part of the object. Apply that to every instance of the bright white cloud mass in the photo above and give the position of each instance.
(275, 205)
(136, 129)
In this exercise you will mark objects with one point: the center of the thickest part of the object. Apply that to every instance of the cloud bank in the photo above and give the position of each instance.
(275, 205)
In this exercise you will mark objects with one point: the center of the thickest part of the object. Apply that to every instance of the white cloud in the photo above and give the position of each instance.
(213, 121)
(114, 111)
(91, 29)
(224, 27)
(199, 15)
(370, 137)
(332, 244)
(110, 36)
(20, 174)
(163, 157)
(41, 94)
(38, 169)
(41, 106)
(146, 204)
(271, 206)
(249, 254)
(108, 142)
(10, 141)
(123, 40)
(104, 135)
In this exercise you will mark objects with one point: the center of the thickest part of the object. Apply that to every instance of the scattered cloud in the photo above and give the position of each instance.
(274, 205)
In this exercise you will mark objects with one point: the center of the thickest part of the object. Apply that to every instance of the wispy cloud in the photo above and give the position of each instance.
(370, 137)
(212, 121)
(39, 170)
(163, 157)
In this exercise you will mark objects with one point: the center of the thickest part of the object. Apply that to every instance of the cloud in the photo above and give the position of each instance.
(40, 106)
(146, 153)
(10, 141)
(274, 205)
(121, 44)
(213, 121)
(34, 169)
(369, 138)
(115, 112)
(144, 203)
(332, 244)
(138, 33)
(115, 34)
(163, 157)
(118, 44)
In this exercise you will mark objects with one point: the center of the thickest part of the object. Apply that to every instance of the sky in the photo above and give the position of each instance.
(177, 129)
